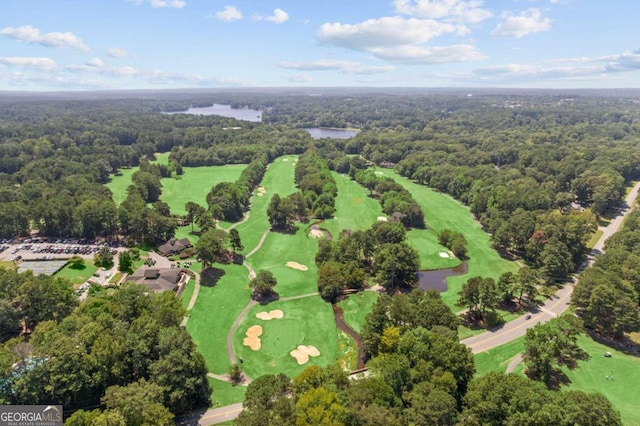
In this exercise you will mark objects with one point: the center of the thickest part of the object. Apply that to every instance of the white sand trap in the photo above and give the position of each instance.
(444, 255)
(382, 218)
(316, 233)
(303, 352)
(378, 173)
(252, 340)
(261, 191)
(296, 265)
(267, 316)
(285, 159)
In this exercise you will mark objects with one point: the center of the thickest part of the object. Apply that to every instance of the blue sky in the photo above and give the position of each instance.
(158, 44)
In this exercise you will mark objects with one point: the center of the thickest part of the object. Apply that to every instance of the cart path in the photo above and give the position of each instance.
(194, 298)
(259, 246)
(514, 363)
(234, 327)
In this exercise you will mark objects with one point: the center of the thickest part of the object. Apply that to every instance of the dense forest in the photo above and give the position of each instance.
(538, 170)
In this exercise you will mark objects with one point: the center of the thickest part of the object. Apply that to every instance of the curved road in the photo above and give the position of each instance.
(556, 305)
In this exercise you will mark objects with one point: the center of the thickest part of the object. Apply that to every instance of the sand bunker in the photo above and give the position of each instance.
(267, 316)
(444, 255)
(261, 191)
(285, 159)
(296, 265)
(379, 173)
(253, 340)
(382, 218)
(316, 233)
(303, 352)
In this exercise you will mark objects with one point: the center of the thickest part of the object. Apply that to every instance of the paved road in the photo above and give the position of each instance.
(212, 416)
(559, 303)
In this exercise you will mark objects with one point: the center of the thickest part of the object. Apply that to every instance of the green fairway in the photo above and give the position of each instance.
(355, 210)
(278, 249)
(443, 212)
(622, 391)
(193, 185)
(306, 321)
(356, 307)
(225, 394)
(77, 276)
(213, 315)
(277, 180)
(185, 297)
(497, 359)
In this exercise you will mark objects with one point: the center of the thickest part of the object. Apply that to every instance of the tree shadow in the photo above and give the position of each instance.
(624, 344)
(265, 299)
(209, 277)
(289, 230)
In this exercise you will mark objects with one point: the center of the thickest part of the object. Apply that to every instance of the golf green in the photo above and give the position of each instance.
(306, 321)
(443, 212)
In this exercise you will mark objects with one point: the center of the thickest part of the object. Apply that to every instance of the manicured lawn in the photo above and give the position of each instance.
(77, 276)
(590, 376)
(278, 249)
(594, 239)
(307, 321)
(215, 311)
(497, 359)
(355, 210)
(356, 307)
(195, 184)
(279, 179)
(225, 394)
(185, 297)
(443, 212)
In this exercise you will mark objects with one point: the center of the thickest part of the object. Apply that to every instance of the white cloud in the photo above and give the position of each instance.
(55, 39)
(175, 4)
(229, 13)
(116, 52)
(399, 39)
(279, 16)
(108, 71)
(425, 55)
(455, 10)
(95, 62)
(383, 32)
(42, 64)
(527, 22)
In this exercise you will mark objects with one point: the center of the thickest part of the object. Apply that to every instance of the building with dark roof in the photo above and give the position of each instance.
(174, 246)
(159, 279)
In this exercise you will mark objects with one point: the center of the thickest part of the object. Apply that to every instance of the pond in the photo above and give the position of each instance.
(321, 132)
(437, 278)
(221, 110)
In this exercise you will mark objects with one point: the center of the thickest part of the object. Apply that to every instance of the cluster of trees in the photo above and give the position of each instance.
(263, 285)
(396, 201)
(120, 345)
(379, 252)
(454, 241)
(608, 294)
(481, 295)
(418, 374)
(316, 183)
(283, 212)
(229, 200)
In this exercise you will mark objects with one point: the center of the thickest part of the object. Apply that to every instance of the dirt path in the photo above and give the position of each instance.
(193, 299)
(514, 363)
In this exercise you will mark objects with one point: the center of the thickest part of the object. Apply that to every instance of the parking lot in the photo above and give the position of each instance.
(48, 249)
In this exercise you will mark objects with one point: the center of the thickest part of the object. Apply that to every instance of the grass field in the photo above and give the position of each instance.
(355, 210)
(306, 321)
(356, 307)
(277, 180)
(185, 297)
(623, 391)
(193, 185)
(77, 276)
(215, 311)
(225, 394)
(443, 212)
(497, 359)
(594, 239)
(278, 249)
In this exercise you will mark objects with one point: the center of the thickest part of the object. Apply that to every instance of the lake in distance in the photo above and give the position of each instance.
(319, 133)
(221, 110)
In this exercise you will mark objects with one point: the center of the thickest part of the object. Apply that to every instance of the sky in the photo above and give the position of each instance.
(61, 45)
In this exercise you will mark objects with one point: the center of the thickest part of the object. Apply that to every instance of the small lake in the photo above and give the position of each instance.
(319, 133)
(437, 278)
(221, 110)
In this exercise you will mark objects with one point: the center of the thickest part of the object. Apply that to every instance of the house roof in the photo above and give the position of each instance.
(157, 279)
(174, 246)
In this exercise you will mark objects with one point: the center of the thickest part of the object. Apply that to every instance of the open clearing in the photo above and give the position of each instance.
(443, 212)
(306, 321)
(590, 376)
(356, 307)
(225, 393)
(497, 359)
(77, 276)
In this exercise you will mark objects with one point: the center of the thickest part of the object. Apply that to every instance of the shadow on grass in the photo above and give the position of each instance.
(210, 277)
(625, 344)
